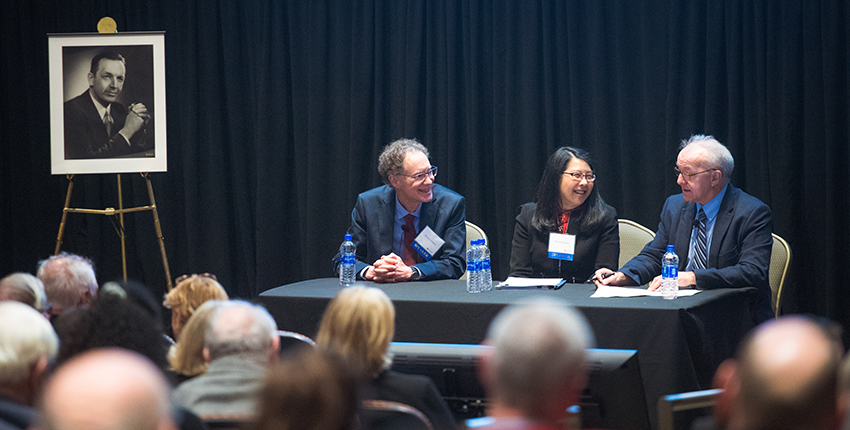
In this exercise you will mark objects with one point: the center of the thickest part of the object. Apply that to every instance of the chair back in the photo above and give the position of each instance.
(672, 403)
(633, 237)
(291, 341)
(780, 260)
(474, 232)
(227, 421)
(386, 415)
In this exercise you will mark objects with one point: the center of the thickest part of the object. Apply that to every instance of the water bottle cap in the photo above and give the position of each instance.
(670, 248)
(347, 237)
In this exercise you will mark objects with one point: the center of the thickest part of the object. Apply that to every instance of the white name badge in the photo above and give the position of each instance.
(562, 246)
(427, 243)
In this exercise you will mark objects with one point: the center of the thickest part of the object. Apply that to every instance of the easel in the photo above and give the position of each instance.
(108, 25)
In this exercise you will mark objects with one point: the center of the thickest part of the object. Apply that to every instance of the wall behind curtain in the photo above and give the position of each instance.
(277, 111)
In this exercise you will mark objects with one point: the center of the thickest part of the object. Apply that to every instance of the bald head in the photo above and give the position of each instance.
(107, 389)
(785, 377)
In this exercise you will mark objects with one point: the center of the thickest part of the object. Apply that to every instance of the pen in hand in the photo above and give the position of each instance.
(592, 278)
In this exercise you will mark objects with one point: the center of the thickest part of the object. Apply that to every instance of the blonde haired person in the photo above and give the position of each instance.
(186, 357)
(359, 324)
(188, 295)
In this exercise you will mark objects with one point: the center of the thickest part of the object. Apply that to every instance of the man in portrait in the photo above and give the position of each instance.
(97, 125)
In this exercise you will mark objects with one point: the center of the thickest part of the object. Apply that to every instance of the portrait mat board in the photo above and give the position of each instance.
(69, 57)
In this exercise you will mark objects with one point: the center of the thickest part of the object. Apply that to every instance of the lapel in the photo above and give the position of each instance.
(386, 221)
(683, 238)
(721, 225)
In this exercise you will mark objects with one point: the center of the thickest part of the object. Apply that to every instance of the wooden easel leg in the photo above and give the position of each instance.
(121, 232)
(64, 214)
(159, 236)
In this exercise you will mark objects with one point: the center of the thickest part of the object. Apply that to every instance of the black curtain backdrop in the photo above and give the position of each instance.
(277, 111)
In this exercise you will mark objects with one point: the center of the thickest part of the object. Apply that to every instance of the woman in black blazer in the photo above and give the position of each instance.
(359, 324)
(567, 202)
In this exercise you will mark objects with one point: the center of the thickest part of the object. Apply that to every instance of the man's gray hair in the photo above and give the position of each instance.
(25, 337)
(717, 156)
(65, 277)
(242, 329)
(391, 160)
(538, 346)
(24, 288)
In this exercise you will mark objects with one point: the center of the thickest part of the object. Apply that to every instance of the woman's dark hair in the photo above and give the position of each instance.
(586, 217)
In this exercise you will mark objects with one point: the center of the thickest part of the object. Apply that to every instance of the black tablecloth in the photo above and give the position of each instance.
(680, 342)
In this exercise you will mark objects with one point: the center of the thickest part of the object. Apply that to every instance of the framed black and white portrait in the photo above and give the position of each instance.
(107, 103)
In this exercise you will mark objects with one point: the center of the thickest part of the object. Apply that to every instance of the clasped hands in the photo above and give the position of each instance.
(601, 278)
(388, 268)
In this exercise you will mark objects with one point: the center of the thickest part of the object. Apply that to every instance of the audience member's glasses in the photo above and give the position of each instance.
(577, 176)
(688, 176)
(202, 275)
(432, 172)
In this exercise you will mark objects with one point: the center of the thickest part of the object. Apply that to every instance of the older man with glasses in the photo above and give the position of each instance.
(409, 229)
(722, 234)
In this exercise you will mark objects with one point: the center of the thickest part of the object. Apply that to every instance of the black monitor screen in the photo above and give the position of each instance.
(613, 399)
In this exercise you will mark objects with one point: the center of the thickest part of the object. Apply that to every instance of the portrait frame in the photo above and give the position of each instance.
(69, 60)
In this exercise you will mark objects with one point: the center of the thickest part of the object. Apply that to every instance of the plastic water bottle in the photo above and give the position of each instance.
(472, 268)
(486, 274)
(670, 274)
(347, 274)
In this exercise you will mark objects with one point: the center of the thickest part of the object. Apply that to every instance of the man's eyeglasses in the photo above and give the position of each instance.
(577, 176)
(688, 176)
(432, 172)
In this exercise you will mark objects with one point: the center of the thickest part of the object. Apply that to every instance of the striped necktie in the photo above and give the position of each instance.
(701, 254)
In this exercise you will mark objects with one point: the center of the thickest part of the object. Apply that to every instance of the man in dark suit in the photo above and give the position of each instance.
(385, 220)
(96, 124)
(737, 230)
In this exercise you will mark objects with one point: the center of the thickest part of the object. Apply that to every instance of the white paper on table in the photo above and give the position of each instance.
(515, 282)
(636, 292)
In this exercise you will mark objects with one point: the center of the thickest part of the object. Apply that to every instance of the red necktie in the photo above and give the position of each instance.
(409, 230)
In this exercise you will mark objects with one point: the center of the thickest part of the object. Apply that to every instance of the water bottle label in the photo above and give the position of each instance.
(470, 266)
(669, 271)
(485, 264)
(347, 259)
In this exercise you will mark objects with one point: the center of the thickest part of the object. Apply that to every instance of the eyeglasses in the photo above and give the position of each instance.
(432, 172)
(688, 176)
(202, 275)
(577, 176)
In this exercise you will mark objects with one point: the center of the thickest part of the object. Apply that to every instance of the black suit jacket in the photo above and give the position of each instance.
(85, 134)
(16, 416)
(413, 390)
(740, 246)
(594, 250)
(372, 223)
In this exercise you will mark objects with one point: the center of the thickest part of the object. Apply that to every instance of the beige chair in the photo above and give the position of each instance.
(633, 237)
(670, 404)
(386, 415)
(780, 260)
(474, 232)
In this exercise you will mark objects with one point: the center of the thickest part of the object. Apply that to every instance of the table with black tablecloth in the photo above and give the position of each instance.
(680, 342)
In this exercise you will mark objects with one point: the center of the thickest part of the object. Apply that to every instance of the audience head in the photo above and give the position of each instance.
(186, 357)
(706, 167)
(24, 288)
(189, 294)
(239, 328)
(27, 345)
(558, 192)
(312, 389)
(106, 389)
(536, 368)
(122, 315)
(783, 377)
(69, 281)
(359, 324)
